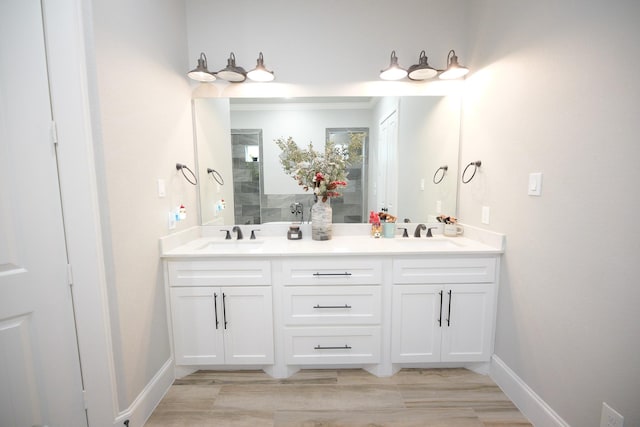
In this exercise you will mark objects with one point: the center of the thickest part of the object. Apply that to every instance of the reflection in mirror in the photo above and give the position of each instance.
(246, 165)
(408, 139)
(352, 205)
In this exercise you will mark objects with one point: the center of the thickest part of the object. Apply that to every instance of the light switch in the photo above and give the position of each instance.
(162, 190)
(486, 212)
(439, 206)
(422, 184)
(535, 184)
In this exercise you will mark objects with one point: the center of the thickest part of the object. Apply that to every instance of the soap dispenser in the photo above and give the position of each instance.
(294, 232)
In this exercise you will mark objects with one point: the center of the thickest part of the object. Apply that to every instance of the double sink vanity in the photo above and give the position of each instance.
(353, 301)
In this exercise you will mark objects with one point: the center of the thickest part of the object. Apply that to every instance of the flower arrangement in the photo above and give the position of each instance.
(324, 173)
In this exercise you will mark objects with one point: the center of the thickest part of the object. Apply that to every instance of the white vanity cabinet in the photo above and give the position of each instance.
(221, 312)
(443, 309)
(332, 310)
(353, 301)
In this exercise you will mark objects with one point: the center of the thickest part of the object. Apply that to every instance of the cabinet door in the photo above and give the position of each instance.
(248, 325)
(197, 325)
(416, 323)
(467, 330)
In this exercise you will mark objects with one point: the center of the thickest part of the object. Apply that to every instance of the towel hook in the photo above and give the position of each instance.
(444, 170)
(216, 175)
(475, 165)
(181, 168)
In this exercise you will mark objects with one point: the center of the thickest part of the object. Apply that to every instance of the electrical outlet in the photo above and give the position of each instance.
(610, 417)
(439, 206)
(172, 221)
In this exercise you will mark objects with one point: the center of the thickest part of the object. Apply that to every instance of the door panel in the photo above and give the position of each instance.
(468, 336)
(387, 180)
(416, 315)
(248, 337)
(40, 380)
(198, 325)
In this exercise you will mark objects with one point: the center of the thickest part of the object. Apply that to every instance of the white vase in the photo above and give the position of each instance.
(321, 220)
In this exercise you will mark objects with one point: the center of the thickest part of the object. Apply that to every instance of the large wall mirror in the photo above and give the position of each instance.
(409, 164)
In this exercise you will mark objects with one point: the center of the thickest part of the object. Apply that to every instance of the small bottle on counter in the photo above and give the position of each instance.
(376, 228)
(294, 232)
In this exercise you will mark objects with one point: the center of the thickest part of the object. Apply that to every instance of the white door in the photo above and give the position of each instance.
(387, 180)
(248, 334)
(40, 380)
(198, 325)
(468, 322)
(416, 323)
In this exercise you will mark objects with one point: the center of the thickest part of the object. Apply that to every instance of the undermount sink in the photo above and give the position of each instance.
(428, 242)
(235, 244)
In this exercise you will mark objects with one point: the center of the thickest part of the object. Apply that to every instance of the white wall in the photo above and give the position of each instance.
(544, 97)
(145, 126)
(323, 47)
(306, 125)
(555, 90)
(428, 138)
(213, 134)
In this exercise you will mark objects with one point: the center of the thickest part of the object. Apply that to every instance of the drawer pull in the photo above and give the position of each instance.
(332, 274)
(331, 306)
(319, 347)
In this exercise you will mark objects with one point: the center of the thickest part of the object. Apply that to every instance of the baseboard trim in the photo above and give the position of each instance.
(144, 404)
(528, 402)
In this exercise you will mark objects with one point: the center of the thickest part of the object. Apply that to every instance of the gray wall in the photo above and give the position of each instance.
(555, 90)
(145, 125)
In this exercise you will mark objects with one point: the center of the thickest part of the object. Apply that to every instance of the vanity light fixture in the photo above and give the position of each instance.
(260, 73)
(422, 70)
(454, 69)
(232, 73)
(393, 71)
(201, 73)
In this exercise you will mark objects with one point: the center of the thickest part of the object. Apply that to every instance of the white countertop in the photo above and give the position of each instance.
(272, 241)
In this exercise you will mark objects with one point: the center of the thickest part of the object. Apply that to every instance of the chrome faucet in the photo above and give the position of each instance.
(418, 228)
(238, 230)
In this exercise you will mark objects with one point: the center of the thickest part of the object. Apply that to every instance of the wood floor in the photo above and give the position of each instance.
(332, 398)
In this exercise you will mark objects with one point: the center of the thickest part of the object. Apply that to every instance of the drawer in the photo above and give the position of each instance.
(219, 273)
(338, 345)
(332, 305)
(332, 271)
(444, 270)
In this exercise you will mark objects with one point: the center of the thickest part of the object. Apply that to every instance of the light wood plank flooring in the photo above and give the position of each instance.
(332, 398)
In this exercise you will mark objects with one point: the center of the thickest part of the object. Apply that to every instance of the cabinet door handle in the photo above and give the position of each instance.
(345, 347)
(332, 274)
(331, 306)
(440, 318)
(224, 309)
(215, 308)
(449, 314)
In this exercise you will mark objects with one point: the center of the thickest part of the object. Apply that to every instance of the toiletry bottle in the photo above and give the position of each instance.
(376, 228)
